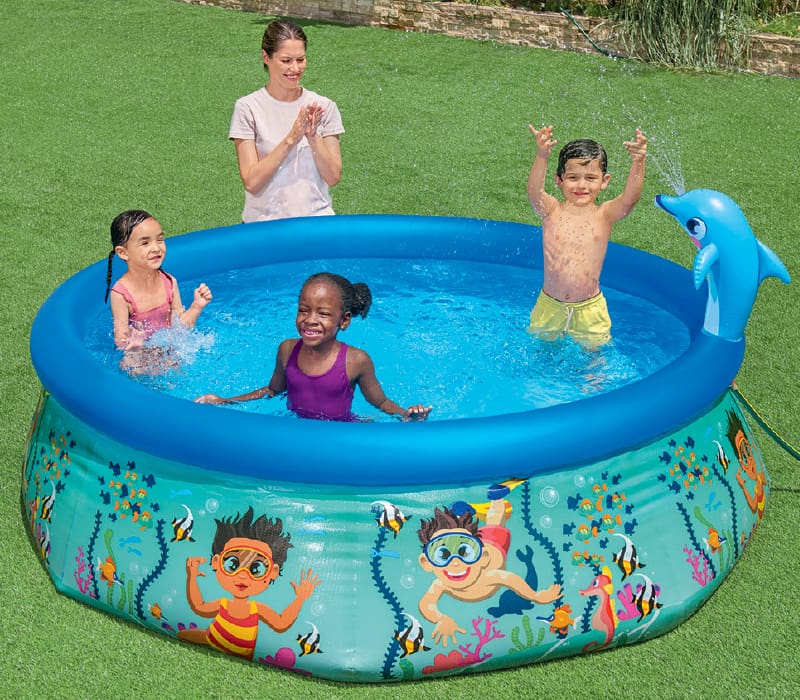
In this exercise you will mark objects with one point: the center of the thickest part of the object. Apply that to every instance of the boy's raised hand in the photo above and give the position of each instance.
(638, 147)
(544, 139)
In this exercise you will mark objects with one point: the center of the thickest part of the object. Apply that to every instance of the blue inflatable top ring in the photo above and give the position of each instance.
(381, 454)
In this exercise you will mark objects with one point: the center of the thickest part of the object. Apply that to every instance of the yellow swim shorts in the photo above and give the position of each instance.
(587, 321)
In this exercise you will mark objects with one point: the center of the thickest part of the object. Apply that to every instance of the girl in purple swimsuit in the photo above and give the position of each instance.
(317, 371)
(145, 299)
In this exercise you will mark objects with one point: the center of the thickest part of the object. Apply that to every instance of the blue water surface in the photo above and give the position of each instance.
(447, 333)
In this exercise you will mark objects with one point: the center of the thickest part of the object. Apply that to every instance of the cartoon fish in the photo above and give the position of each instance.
(47, 504)
(722, 458)
(730, 258)
(646, 599)
(145, 520)
(411, 638)
(388, 515)
(157, 612)
(714, 542)
(314, 525)
(108, 571)
(583, 532)
(560, 621)
(309, 643)
(579, 558)
(615, 500)
(626, 559)
(182, 527)
(33, 507)
(608, 522)
(43, 539)
(713, 503)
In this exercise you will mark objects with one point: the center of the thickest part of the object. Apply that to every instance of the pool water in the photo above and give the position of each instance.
(447, 333)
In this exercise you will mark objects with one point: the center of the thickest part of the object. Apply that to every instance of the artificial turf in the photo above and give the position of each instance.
(114, 104)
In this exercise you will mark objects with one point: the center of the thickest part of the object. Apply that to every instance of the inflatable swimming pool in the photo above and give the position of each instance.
(399, 551)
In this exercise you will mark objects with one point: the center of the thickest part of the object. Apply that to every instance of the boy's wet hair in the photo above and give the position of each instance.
(446, 519)
(263, 529)
(584, 150)
(281, 30)
(356, 297)
(121, 228)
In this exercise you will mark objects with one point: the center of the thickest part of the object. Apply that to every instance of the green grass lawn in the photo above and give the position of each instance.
(108, 105)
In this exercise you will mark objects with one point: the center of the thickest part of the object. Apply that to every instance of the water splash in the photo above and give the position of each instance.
(183, 343)
(665, 156)
(663, 140)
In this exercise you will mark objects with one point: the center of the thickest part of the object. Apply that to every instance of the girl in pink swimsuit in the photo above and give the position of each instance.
(317, 371)
(145, 299)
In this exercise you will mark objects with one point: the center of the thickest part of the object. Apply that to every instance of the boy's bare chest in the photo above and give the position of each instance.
(561, 242)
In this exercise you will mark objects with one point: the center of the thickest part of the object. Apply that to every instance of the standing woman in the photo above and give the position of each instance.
(286, 136)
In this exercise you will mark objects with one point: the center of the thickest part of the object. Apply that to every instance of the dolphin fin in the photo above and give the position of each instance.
(770, 265)
(703, 261)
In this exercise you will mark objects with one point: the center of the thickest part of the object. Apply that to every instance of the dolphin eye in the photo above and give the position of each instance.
(696, 227)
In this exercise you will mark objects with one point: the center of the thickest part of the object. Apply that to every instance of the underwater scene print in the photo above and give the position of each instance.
(360, 584)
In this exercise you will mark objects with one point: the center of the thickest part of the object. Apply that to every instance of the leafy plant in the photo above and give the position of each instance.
(700, 33)
(785, 25)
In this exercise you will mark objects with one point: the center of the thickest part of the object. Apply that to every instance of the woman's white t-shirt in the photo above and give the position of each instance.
(297, 188)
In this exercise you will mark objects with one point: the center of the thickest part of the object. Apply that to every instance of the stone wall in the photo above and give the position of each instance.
(770, 54)
(775, 55)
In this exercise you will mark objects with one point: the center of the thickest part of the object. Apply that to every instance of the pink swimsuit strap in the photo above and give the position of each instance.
(153, 319)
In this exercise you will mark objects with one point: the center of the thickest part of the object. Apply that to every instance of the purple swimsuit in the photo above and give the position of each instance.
(326, 396)
(151, 320)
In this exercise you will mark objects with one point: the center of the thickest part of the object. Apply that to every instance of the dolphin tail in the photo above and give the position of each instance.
(770, 265)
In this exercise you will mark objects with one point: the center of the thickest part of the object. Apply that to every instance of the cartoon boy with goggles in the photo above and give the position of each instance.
(468, 562)
(247, 557)
(442, 549)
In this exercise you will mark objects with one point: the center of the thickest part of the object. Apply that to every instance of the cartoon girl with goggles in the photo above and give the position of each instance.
(255, 562)
(248, 554)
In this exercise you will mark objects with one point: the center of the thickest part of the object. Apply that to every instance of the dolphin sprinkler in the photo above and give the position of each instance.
(730, 257)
